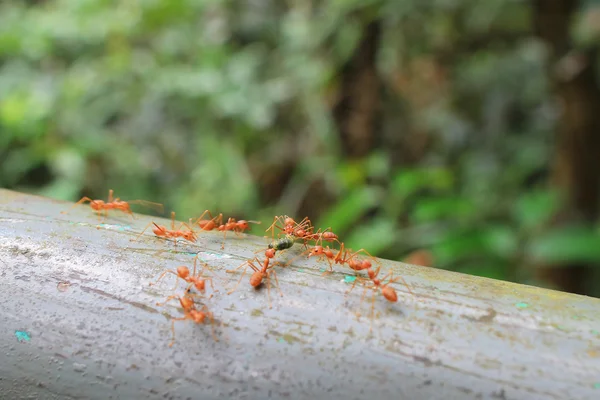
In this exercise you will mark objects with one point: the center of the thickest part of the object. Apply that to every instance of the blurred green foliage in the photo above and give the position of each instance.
(226, 105)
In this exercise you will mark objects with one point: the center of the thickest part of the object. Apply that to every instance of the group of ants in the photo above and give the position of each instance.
(285, 232)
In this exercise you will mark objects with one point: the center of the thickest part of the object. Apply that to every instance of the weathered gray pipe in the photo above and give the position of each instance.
(78, 320)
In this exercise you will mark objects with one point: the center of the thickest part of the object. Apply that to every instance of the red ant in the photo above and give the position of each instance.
(343, 256)
(259, 274)
(217, 223)
(388, 292)
(236, 226)
(173, 233)
(192, 313)
(340, 258)
(326, 235)
(208, 224)
(291, 227)
(194, 279)
(101, 207)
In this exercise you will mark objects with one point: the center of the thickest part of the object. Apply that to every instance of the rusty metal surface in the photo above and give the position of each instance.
(78, 320)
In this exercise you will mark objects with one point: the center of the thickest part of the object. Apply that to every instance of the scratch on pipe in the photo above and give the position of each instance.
(208, 255)
(112, 296)
(117, 227)
(13, 220)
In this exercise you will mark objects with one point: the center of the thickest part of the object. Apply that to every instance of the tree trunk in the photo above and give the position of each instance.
(577, 158)
(356, 112)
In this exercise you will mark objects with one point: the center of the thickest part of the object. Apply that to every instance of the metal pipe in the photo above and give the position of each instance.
(78, 319)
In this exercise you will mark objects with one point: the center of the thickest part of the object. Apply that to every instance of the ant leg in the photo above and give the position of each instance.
(167, 300)
(204, 267)
(269, 291)
(330, 265)
(202, 216)
(372, 311)
(173, 220)
(277, 281)
(224, 238)
(81, 201)
(138, 236)
(274, 225)
(298, 256)
(110, 195)
(173, 328)
(352, 255)
(241, 277)
(162, 276)
(212, 322)
(351, 287)
(396, 279)
(210, 280)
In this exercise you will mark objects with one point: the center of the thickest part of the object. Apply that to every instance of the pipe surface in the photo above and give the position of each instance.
(79, 320)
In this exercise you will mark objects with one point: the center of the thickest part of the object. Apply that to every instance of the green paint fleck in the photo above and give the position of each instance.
(597, 385)
(349, 278)
(522, 305)
(576, 317)
(301, 270)
(595, 332)
(22, 336)
(322, 269)
(281, 340)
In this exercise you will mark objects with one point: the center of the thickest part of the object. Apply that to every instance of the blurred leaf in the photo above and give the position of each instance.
(560, 245)
(501, 240)
(488, 269)
(349, 209)
(458, 245)
(407, 182)
(535, 208)
(442, 207)
(375, 236)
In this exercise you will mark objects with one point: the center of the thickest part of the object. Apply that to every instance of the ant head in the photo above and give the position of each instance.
(243, 224)
(183, 271)
(186, 302)
(289, 221)
(96, 204)
(300, 232)
(389, 293)
(270, 252)
(316, 251)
